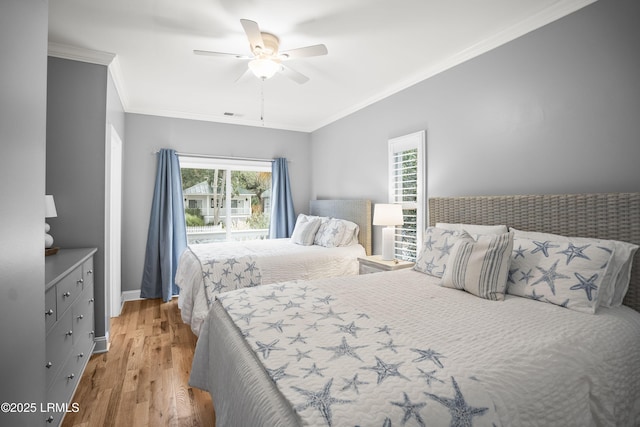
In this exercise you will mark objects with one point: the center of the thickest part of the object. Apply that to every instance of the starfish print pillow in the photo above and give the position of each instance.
(616, 281)
(561, 272)
(436, 249)
(334, 232)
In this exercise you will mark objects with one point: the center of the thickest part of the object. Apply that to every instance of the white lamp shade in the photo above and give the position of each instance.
(264, 68)
(387, 214)
(49, 207)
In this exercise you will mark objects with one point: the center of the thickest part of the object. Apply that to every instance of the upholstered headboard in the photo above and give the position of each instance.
(358, 211)
(614, 216)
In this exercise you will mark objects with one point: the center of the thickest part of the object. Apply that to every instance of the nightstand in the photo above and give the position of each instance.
(375, 264)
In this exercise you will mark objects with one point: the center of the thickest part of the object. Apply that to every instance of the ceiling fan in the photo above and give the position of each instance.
(267, 60)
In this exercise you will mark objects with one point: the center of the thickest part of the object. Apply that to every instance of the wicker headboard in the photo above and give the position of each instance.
(614, 216)
(358, 211)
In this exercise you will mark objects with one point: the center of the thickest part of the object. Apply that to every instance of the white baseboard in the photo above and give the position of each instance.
(133, 296)
(129, 296)
(102, 344)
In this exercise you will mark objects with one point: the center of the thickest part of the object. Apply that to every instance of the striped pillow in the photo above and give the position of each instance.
(305, 230)
(480, 267)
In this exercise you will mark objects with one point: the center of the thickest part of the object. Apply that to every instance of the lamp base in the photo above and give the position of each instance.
(388, 237)
(48, 240)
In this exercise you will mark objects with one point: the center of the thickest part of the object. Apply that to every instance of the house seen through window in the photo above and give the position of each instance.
(225, 199)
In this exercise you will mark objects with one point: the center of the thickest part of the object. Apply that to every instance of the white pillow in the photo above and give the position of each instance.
(480, 266)
(617, 277)
(559, 271)
(305, 230)
(435, 251)
(474, 229)
(624, 276)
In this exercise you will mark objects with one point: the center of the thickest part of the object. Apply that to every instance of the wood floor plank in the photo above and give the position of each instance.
(143, 379)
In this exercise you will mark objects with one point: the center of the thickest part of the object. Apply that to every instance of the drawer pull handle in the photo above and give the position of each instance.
(90, 272)
(49, 312)
(50, 419)
(91, 333)
(80, 282)
(80, 317)
(91, 300)
(81, 355)
(66, 294)
(48, 365)
(69, 333)
(71, 376)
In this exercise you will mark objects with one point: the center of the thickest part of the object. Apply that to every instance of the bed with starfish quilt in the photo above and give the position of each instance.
(392, 349)
(326, 243)
(507, 328)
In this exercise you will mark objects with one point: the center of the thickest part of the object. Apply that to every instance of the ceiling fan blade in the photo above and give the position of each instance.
(253, 33)
(220, 54)
(316, 50)
(294, 75)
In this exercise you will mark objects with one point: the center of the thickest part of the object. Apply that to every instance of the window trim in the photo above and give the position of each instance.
(229, 165)
(411, 141)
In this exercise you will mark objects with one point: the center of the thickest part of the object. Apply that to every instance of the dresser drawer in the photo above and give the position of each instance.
(64, 384)
(83, 317)
(50, 308)
(59, 345)
(87, 273)
(68, 289)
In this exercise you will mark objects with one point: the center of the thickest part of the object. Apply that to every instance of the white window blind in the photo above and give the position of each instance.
(406, 187)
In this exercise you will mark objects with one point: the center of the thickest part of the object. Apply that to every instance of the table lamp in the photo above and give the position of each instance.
(388, 215)
(49, 212)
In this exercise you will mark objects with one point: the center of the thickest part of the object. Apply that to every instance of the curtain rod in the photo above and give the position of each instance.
(210, 156)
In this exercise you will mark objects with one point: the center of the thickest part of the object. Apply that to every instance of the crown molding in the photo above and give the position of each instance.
(118, 81)
(532, 23)
(267, 124)
(546, 16)
(80, 54)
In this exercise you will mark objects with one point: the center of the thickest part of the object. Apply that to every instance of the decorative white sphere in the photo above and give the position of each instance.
(48, 240)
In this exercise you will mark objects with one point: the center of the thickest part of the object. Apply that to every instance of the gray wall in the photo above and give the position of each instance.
(555, 111)
(147, 134)
(76, 123)
(23, 80)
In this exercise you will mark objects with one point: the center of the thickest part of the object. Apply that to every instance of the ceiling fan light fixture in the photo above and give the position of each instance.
(264, 68)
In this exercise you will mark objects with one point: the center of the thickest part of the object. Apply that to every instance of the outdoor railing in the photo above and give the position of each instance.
(207, 234)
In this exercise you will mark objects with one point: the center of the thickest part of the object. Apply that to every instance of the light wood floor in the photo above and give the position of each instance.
(143, 379)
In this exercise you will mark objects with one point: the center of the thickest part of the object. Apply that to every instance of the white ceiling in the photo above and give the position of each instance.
(376, 48)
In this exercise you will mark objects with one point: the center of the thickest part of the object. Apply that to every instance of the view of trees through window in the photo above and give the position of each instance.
(226, 204)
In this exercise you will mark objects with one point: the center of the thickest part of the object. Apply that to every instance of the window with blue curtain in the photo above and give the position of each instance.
(166, 238)
(283, 217)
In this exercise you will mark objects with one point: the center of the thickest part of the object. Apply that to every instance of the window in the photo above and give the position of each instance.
(406, 187)
(225, 199)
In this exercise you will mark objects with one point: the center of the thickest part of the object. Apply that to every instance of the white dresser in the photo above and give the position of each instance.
(69, 318)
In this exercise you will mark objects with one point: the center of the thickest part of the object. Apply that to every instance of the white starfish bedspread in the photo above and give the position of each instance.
(336, 364)
(229, 274)
(276, 260)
